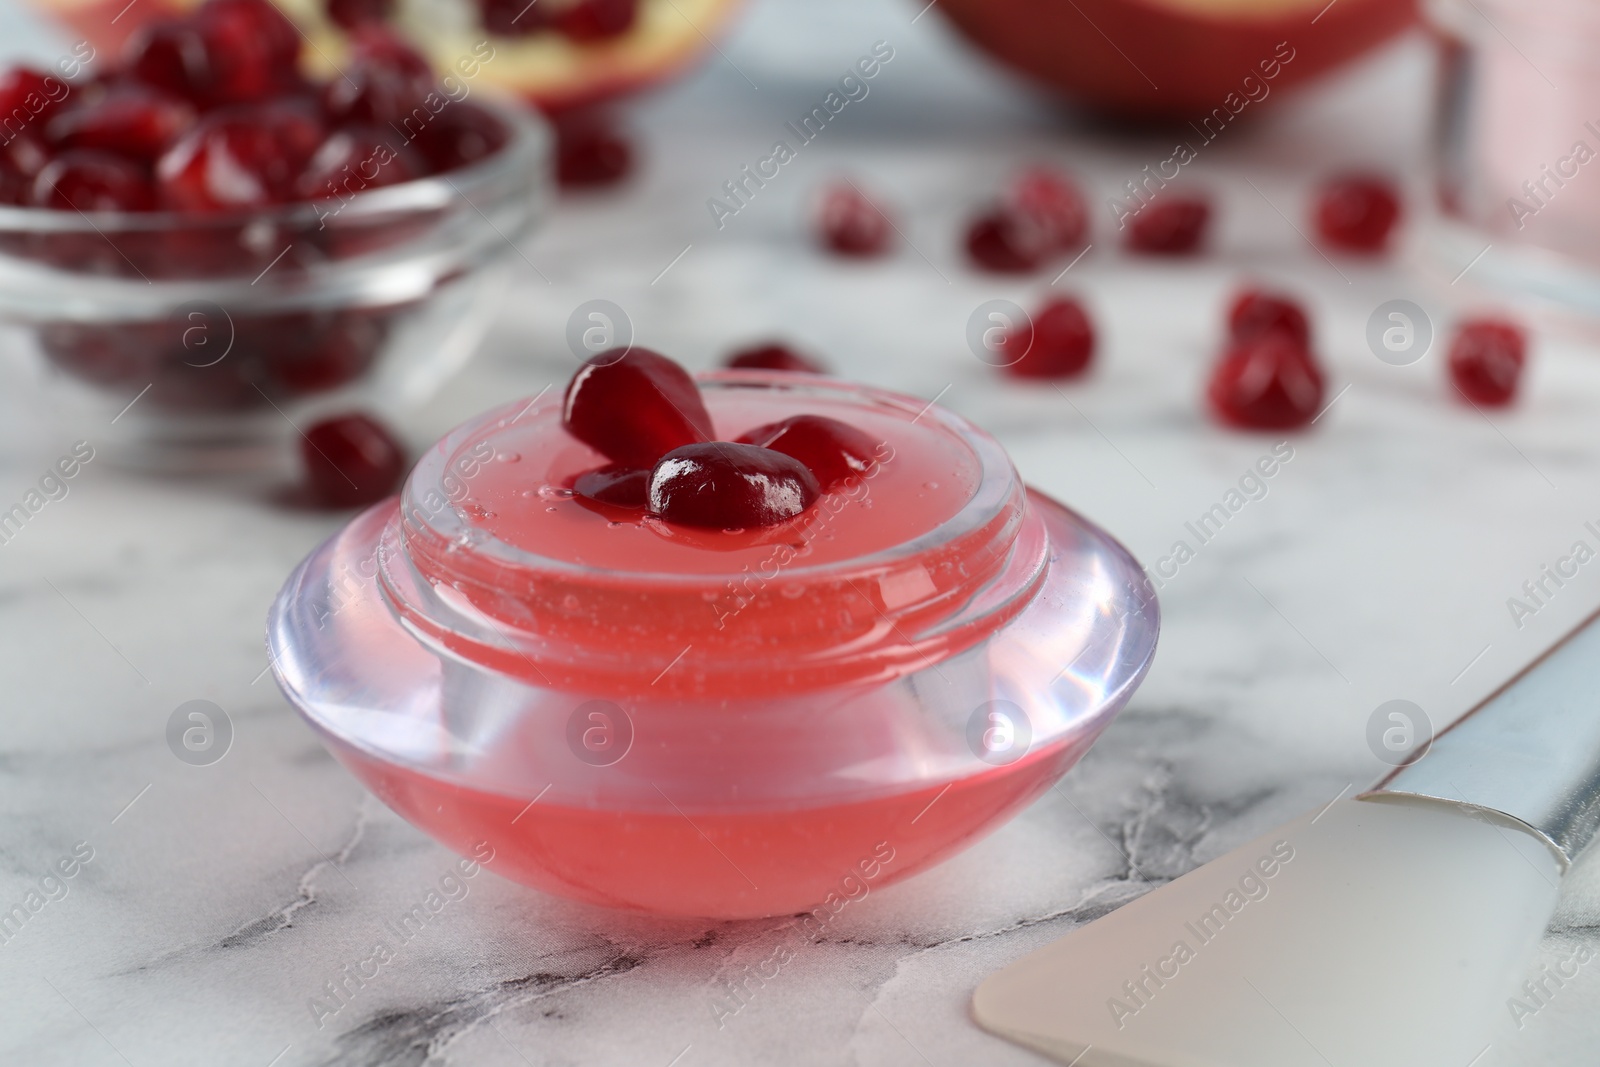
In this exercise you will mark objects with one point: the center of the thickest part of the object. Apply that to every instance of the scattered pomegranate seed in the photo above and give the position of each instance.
(597, 20)
(353, 13)
(634, 407)
(1169, 226)
(513, 18)
(722, 485)
(351, 460)
(353, 160)
(831, 450)
(385, 82)
(1486, 358)
(1357, 212)
(1053, 204)
(615, 485)
(1258, 311)
(1266, 383)
(239, 158)
(133, 120)
(461, 134)
(1006, 242)
(774, 356)
(1059, 343)
(850, 224)
(86, 180)
(590, 152)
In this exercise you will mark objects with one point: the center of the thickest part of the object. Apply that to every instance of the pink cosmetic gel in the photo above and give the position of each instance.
(713, 723)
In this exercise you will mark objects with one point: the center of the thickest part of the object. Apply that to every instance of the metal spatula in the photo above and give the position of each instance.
(1387, 931)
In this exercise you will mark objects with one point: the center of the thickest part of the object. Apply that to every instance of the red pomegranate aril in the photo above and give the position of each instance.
(226, 52)
(722, 485)
(634, 406)
(351, 460)
(1258, 311)
(514, 18)
(831, 450)
(459, 136)
(21, 159)
(255, 49)
(850, 224)
(171, 54)
(353, 13)
(28, 96)
(257, 20)
(774, 356)
(1057, 343)
(353, 160)
(1053, 203)
(1266, 383)
(387, 81)
(86, 180)
(596, 20)
(1005, 241)
(1169, 226)
(1486, 359)
(1357, 212)
(239, 158)
(212, 106)
(616, 485)
(590, 152)
(133, 120)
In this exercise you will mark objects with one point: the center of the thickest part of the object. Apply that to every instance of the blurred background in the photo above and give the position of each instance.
(1381, 564)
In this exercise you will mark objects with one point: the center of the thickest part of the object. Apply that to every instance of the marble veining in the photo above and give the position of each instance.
(221, 901)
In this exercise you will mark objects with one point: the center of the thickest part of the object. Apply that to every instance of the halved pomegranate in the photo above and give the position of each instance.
(1176, 58)
(562, 54)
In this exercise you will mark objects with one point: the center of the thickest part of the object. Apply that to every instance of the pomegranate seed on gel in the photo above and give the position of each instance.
(831, 450)
(615, 484)
(723, 485)
(774, 356)
(634, 407)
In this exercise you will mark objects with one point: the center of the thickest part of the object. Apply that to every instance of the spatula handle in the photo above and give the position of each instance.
(1530, 752)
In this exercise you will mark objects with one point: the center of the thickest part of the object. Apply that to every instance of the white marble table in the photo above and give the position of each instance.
(220, 899)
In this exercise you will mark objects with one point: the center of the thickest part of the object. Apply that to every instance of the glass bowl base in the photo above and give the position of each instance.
(705, 805)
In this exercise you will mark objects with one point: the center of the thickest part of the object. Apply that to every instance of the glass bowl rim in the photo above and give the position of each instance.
(998, 484)
(529, 142)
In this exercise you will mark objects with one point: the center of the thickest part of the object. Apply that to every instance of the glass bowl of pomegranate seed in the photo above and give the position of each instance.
(704, 646)
(201, 245)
